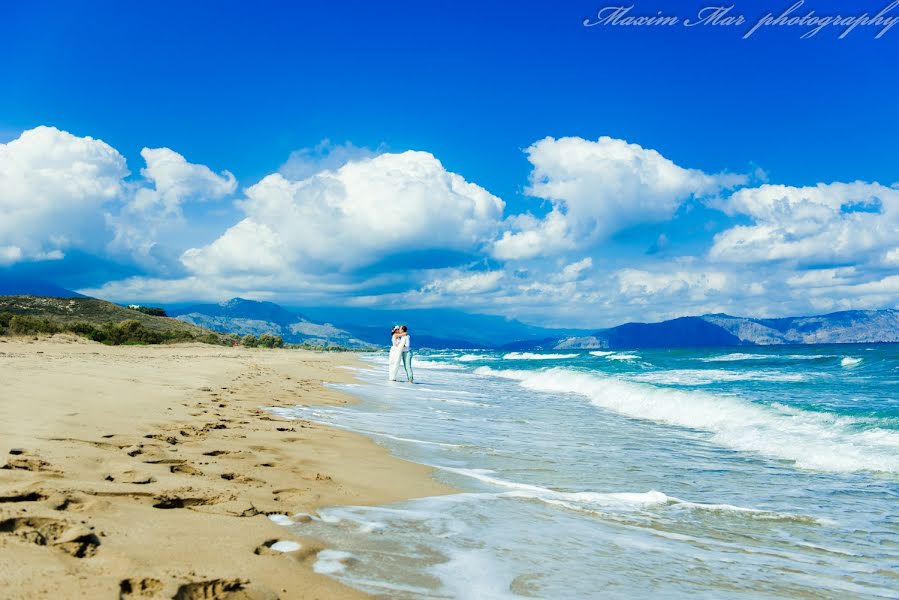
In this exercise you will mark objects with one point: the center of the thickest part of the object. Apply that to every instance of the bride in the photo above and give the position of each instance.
(395, 361)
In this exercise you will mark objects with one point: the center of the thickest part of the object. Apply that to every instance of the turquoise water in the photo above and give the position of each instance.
(762, 473)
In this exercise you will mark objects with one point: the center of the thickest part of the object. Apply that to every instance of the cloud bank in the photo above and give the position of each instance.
(611, 231)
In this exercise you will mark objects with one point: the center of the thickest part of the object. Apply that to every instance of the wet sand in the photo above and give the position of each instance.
(148, 471)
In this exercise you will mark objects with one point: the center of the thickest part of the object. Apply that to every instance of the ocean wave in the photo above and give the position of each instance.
(472, 357)
(382, 359)
(738, 356)
(423, 388)
(601, 502)
(610, 355)
(410, 440)
(710, 376)
(810, 440)
(533, 356)
(623, 356)
(848, 362)
(420, 363)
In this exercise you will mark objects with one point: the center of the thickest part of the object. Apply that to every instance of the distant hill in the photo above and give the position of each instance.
(19, 286)
(846, 327)
(244, 317)
(436, 327)
(245, 309)
(96, 312)
(363, 327)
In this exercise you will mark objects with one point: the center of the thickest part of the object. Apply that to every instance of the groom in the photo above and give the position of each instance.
(407, 353)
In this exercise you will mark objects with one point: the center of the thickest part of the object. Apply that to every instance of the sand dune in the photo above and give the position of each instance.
(148, 472)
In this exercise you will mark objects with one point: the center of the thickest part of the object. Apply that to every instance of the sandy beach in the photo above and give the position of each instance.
(149, 471)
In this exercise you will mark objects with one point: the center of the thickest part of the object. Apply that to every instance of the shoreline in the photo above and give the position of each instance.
(148, 471)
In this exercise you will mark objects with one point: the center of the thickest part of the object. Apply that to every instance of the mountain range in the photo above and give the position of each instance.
(449, 328)
(445, 328)
(251, 317)
(19, 286)
(845, 327)
(359, 327)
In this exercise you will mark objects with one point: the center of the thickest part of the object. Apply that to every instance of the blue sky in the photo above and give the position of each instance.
(242, 88)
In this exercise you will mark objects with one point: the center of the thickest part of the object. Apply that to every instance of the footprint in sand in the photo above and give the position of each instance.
(23, 497)
(70, 503)
(135, 450)
(131, 477)
(237, 477)
(171, 502)
(136, 587)
(293, 495)
(169, 439)
(185, 468)
(27, 463)
(75, 541)
(221, 589)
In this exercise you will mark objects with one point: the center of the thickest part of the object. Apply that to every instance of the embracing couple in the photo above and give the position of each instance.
(400, 353)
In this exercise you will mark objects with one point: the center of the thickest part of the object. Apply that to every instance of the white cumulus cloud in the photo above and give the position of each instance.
(643, 286)
(153, 207)
(597, 188)
(357, 215)
(324, 156)
(53, 187)
(836, 222)
(462, 283)
(248, 247)
(574, 271)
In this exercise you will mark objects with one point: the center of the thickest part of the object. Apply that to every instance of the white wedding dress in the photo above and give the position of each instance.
(395, 360)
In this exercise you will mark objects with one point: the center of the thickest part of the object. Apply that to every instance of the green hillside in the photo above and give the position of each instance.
(96, 319)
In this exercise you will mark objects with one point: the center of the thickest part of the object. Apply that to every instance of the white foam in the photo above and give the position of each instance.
(283, 520)
(464, 403)
(420, 363)
(329, 562)
(811, 440)
(285, 546)
(407, 439)
(473, 357)
(533, 356)
(483, 577)
(597, 502)
(734, 356)
(709, 376)
(737, 356)
(848, 362)
(601, 352)
(371, 527)
(622, 356)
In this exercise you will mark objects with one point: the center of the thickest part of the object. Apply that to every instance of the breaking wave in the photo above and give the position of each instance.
(811, 440)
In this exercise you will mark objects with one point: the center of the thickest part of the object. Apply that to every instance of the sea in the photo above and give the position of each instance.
(761, 472)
